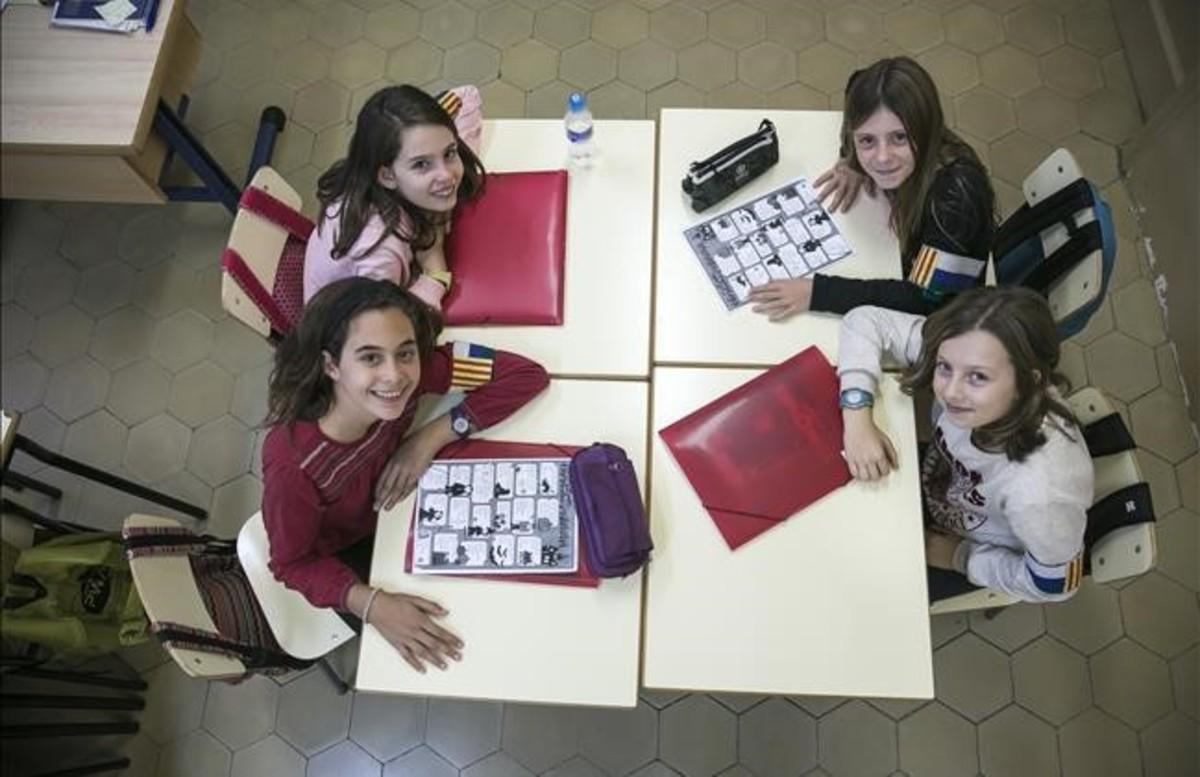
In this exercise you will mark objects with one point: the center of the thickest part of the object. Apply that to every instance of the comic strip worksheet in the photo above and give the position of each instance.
(495, 516)
(784, 234)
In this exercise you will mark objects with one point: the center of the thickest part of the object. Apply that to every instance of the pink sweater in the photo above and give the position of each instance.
(392, 258)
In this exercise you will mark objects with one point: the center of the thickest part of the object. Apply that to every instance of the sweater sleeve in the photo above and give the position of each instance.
(834, 294)
(469, 118)
(867, 333)
(498, 382)
(292, 516)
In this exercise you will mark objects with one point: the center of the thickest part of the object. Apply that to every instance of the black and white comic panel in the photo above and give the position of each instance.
(496, 516)
(784, 234)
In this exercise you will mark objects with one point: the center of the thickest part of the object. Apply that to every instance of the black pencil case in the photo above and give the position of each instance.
(711, 180)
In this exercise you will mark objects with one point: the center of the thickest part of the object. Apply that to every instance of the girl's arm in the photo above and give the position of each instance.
(497, 384)
(391, 260)
(292, 516)
(1050, 568)
(866, 334)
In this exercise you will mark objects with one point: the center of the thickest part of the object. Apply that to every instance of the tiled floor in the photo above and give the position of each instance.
(116, 350)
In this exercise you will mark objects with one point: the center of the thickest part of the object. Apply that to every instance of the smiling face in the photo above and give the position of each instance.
(375, 375)
(974, 379)
(884, 150)
(427, 170)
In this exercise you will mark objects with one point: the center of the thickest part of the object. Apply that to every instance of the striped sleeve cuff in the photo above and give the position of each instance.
(472, 366)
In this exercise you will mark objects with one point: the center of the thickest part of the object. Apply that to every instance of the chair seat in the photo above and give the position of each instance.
(302, 630)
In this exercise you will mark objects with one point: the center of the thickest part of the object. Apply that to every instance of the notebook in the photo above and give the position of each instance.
(106, 16)
(506, 249)
(484, 450)
(765, 450)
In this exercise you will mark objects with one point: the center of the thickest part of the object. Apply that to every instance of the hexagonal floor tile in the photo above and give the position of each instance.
(471, 63)
(775, 738)
(345, 759)
(619, 740)
(540, 737)
(1012, 627)
(357, 64)
(302, 64)
(1178, 537)
(200, 393)
(646, 65)
(620, 24)
(826, 67)
(562, 25)
(588, 65)
(1071, 72)
(974, 29)
(1087, 621)
(697, 736)
(337, 24)
(157, 448)
(321, 105)
(1169, 747)
(985, 114)
(233, 504)
(220, 451)
(1052, 680)
(1095, 743)
(271, 755)
(1109, 115)
(46, 285)
(181, 340)
(936, 742)
(462, 732)
(857, 739)
(174, 703)
(1010, 71)
(1035, 28)
(913, 29)
(105, 288)
(736, 25)
(1121, 366)
(23, 385)
(678, 25)
(618, 100)
(1161, 424)
(972, 677)
(766, 66)
(1014, 743)
(1044, 113)
(97, 439)
(505, 24)
(707, 65)
(953, 70)
(1160, 614)
(198, 754)
(312, 716)
(74, 389)
(1131, 683)
(240, 715)
(499, 764)
(61, 336)
(139, 391)
(421, 762)
(529, 64)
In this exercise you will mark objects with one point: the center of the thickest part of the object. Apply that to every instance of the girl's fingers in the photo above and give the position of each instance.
(427, 606)
(407, 654)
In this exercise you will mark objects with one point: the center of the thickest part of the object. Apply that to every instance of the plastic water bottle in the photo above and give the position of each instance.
(578, 122)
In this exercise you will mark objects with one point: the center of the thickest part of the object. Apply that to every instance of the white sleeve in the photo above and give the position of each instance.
(1051, 566)
(867, 333)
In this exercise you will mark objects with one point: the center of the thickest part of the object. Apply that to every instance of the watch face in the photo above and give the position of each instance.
(460, 425)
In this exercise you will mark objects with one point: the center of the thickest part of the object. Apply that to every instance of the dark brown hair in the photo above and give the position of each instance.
(352, 184)
(299, 389)
(906, 89)
(1021, 320)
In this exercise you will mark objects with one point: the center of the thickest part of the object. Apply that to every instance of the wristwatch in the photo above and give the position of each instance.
(444, 277)
(855, 399)
(460, 423)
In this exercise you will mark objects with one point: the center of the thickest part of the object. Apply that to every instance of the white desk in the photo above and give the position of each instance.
(610, 212)
(691, 325)
(830, 602)
(524, 642)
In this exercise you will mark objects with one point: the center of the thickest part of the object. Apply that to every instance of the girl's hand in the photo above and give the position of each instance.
(407, 623)
(778, 300)
(939, 549)
(434, 258)
(843, 185)
(406, 466)
(869, 453)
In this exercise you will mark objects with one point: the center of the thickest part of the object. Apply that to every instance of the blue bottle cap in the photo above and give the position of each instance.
(576, 101)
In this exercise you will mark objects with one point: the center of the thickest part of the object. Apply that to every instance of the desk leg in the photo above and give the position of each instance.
(217, 185)
(23, 443)
(115, 765)
(18, 482)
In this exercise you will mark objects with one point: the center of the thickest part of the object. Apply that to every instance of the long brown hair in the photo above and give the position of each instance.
(906, 89)
(299, 389)
(352, 184)
(1021, 320)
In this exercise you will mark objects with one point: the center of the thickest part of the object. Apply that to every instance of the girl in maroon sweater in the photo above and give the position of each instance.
(341, 402)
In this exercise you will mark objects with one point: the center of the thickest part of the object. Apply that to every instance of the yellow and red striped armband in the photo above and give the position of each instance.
(472, 366)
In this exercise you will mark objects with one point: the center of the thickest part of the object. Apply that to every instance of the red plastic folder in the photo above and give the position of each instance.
(770, 447)
(582, 577)
(506, 249)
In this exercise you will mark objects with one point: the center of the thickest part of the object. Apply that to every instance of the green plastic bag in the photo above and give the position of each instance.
(74, 594)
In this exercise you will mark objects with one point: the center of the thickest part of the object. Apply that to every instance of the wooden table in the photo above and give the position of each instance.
(832, 601)
(525, 642)
(77, 106)
(691, 325)
(610, 211)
